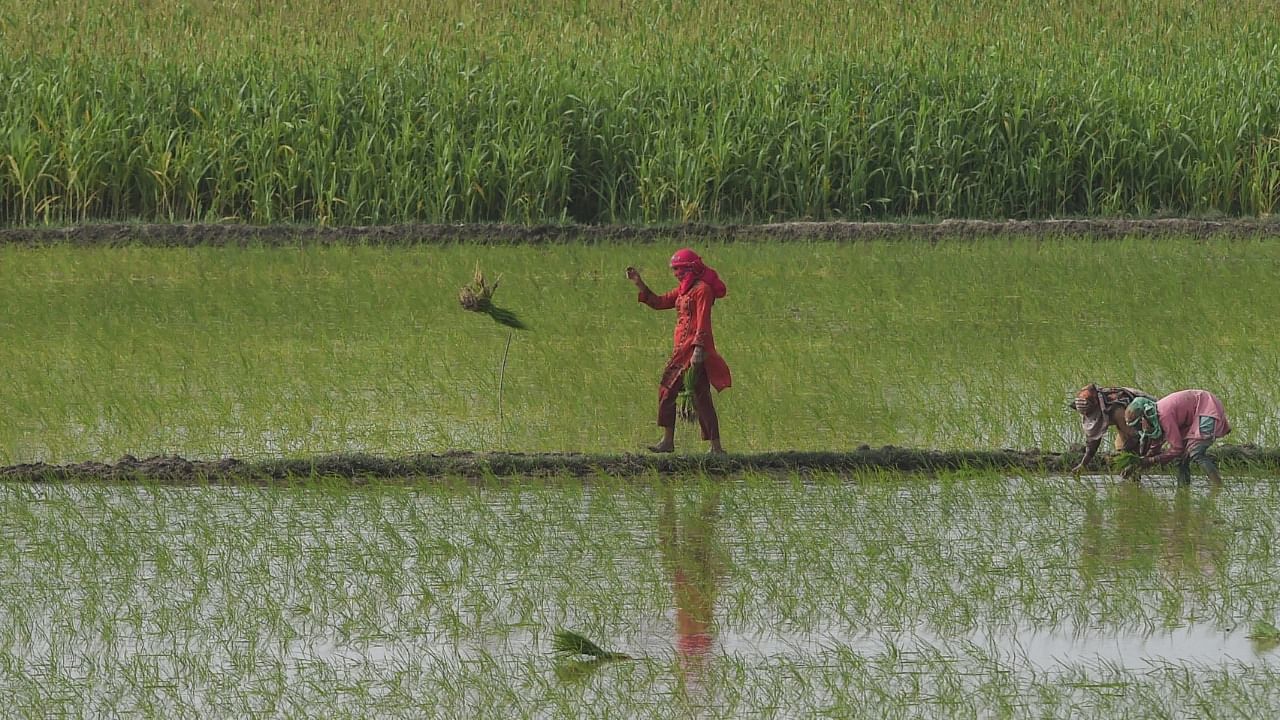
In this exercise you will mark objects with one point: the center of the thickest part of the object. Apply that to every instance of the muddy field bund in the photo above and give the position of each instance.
(241, 234)
(515, 466)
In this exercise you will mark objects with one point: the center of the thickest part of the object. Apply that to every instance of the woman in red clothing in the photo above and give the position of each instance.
(695, 347)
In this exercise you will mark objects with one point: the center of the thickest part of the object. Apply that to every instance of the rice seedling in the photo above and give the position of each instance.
(865, 595)
(567, 644)
(1127, 464)
(685, 409)
(578, 657)
(260, 353)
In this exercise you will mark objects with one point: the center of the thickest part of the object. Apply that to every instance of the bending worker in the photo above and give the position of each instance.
(1101, 408)
(1188, 421)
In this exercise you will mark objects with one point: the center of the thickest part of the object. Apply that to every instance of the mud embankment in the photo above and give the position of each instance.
(479, 466)
(234, 234)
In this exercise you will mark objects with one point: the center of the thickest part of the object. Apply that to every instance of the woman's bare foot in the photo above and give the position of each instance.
(668, 442)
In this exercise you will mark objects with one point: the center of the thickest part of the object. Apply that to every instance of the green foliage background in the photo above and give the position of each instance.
(643, 111)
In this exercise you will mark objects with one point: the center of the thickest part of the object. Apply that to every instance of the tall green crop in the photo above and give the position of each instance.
(646, 111)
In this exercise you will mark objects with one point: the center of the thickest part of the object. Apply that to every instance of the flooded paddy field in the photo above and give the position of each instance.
(865, 594)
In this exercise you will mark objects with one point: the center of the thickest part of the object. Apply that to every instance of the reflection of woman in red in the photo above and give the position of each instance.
(695, 347)
(688, 551)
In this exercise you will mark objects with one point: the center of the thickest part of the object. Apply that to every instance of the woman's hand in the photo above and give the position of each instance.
(634, 276)
(699, 355)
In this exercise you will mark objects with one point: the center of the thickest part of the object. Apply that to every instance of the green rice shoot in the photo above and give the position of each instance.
(1126, 463)
(686, 410)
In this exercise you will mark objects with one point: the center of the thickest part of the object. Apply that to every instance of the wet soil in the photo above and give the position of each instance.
(177, 235)
(480, 466)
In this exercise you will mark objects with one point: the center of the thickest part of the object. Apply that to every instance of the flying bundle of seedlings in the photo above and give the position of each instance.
(477, 296)
(685, 408)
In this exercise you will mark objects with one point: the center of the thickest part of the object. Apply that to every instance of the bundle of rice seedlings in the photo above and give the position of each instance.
(685, 408)
(568, 644)
(478, 297)
(1126, 463)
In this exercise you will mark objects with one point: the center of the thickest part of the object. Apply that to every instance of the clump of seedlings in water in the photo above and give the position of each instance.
(477, 296)
(1265, 635)
(569, 644)
(579, 657)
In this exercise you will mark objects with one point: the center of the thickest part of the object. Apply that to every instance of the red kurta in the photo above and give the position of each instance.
(693, 327)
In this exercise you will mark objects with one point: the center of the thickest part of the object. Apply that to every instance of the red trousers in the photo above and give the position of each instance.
(707, 418)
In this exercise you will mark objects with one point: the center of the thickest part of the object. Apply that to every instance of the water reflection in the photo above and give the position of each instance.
(695, 562)
(1134, 528)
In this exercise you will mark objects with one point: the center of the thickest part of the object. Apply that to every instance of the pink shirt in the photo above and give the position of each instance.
(1180, 415)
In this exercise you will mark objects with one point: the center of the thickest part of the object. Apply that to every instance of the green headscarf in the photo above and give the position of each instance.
(1144, 408)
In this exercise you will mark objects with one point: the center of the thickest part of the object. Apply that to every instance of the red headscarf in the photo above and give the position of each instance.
(686, 259)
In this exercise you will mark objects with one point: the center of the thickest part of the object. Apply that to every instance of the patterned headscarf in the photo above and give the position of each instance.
(1144, 408)
(1092, 408)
